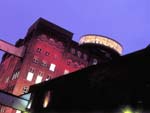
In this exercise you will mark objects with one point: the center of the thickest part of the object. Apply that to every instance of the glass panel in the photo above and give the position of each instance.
(52, 67)
(30, 76)
(38, 79)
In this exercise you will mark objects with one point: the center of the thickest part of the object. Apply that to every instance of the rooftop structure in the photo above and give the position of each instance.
(101, 40)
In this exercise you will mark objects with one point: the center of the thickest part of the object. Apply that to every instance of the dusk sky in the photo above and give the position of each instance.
(126, 21)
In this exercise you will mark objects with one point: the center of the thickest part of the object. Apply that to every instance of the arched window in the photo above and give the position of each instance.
(79, 54)
(60, 44)
(85, 56)
(72, 50)
(82, 66)
(48, 78)
(38, 50)
(76, 64)
(51, 41)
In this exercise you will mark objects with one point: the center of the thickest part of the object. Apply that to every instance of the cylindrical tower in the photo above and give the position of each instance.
(101, 47)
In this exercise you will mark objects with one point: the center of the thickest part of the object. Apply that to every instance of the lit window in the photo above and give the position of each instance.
(25, 89)
(52, 67)
(38, 79)
(95, 61)
(66, 71)
(47, 78)
(30, 76)
(15, 75)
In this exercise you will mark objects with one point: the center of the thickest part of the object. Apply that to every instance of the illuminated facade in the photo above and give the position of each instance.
(49, 53)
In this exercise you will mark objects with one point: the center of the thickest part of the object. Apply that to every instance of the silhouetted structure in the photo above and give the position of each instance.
(107, 88)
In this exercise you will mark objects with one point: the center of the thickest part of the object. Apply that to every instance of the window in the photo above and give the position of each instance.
(76, 65)
(51, 40)
(69, 61)
(15, 75)
(44, 64)
(95, 61)
(60, 45)
(52, 67)
(30, 76)
(82, 66)
(2, 109)
(66, 71)
(25, 89)
(72, 50)
(7, 80)
(79, 54)
(48, 77)
(35, 60)
(38, 50)
(85, 57)
(38, 79)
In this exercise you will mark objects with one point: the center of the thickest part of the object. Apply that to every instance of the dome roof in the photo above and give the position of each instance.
(101, 40)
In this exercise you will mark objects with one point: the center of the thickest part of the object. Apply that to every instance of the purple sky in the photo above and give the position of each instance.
(127, 21)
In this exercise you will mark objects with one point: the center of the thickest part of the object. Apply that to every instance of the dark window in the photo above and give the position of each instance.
(79, 54)
(44, 64)
(69, 61)
(25, 89)
(38, 50)
(76, 64)
(31, 70)
(72, 50)
(85, 57)
(35, 60)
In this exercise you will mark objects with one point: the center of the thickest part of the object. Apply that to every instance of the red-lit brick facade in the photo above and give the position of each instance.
(50, 53)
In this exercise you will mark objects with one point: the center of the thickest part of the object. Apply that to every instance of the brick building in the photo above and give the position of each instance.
(49, 52)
